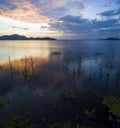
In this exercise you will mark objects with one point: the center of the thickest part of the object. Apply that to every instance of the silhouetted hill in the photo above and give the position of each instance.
(19, 37)
(111, 38)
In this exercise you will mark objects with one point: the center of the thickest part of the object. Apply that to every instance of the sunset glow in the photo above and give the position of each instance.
(66, 19)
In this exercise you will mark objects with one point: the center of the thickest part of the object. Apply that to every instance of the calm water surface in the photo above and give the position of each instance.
(95, 59)
(73, 73)
(43, 49)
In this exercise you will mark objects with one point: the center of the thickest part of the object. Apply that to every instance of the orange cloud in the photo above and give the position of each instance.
(54, 3)
(28, 12)
(25, 11)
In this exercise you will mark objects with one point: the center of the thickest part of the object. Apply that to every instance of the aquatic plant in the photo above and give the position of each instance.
(11, 69)
(28, 70)
(113, 104)
(90, 113)
(54, 125)
(32, 67)
(67, 125)
(2, 103)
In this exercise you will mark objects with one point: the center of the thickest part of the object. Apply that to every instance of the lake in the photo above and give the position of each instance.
(43, 49)
(53, 83)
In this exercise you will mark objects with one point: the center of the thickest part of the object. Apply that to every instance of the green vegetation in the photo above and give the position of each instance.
(113, 104)
(2, 103)
(90, 113)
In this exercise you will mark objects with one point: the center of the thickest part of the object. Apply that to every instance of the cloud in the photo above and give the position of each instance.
(111, 2)
(60, 8)
(24, 11)
(76, 25)
(7, 5)
(117, 1)
(56, 12)
(19, 27)
(105, 23)
(63, 17)
(111, 13)
(44, 27)
(39, 11)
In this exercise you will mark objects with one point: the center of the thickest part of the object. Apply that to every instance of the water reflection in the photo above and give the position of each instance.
(76, 61)
(67, 75)
(20, 49)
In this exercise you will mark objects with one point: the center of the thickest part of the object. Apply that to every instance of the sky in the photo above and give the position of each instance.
(61, 19)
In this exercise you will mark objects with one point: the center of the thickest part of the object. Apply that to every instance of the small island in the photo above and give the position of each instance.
(21, 37)
(112, 38)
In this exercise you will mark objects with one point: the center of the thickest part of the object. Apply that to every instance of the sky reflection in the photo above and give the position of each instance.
(20, 49)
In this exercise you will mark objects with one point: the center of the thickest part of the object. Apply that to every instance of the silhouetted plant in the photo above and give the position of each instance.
(32, 67)
(11, 69)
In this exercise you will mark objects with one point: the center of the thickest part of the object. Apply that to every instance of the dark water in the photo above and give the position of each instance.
(73, 75)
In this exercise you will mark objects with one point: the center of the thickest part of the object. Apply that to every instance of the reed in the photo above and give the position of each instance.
(11, 69)
(32, 67)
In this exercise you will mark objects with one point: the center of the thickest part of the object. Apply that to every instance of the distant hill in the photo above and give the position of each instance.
(19, 37)
(111, 38)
